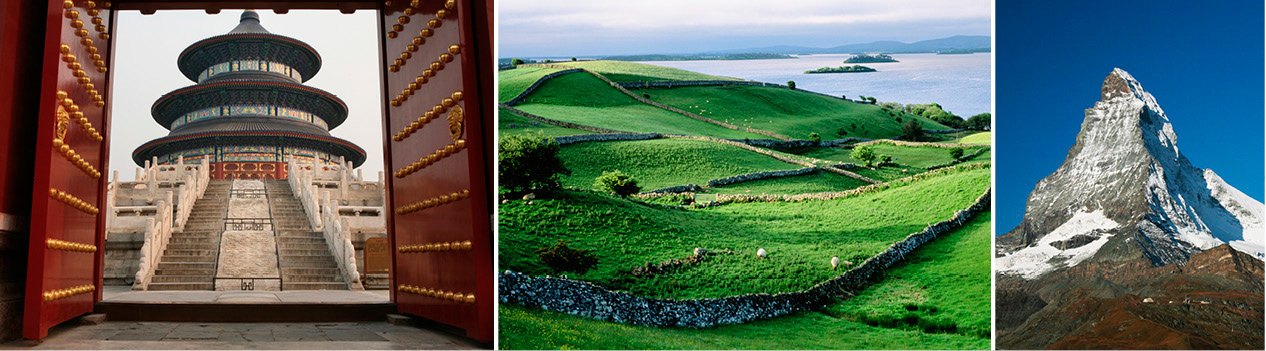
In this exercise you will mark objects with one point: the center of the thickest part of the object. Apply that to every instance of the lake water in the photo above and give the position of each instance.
(960, 83)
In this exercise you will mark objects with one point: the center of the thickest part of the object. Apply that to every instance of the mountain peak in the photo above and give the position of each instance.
(1117, 84)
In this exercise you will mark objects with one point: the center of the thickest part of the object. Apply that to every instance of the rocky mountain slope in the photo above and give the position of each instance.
(1129, 245)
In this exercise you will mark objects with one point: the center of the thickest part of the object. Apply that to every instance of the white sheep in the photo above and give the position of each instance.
(760, 253)
(698, 251)
(835, 262)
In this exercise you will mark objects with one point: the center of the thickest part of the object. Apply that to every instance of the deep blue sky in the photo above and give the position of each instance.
(1202, 61)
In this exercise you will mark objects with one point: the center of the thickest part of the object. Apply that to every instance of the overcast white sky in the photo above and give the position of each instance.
(145, 69)
(535, 28)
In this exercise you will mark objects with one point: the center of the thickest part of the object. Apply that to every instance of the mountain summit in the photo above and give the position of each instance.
(1125, 191)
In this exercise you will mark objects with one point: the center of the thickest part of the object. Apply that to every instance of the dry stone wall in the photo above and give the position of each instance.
(582, 138)
(592, 301)
(760, 175)
(557, 123)
(960, 159)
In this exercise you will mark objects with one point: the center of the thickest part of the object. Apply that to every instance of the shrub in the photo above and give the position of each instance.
(865, 154)
(529, 162)
(840, 131)
(561, 258)
(956, 152)
(617, 182)
(980, 121)
(573, 59)
(884, 159)
(646, 96)
(815, 138)
(791, 84)
(516, 62)
(912, 131)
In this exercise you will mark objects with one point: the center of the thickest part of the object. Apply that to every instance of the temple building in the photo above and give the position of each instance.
(249, 109)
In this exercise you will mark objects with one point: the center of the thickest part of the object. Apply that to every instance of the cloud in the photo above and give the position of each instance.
(538, 27)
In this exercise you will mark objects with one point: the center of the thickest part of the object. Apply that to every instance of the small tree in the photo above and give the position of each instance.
(912, 130)
(865, 154)
(617, 182)
(956, 152)
(561, 258)
(529, 162)
(516, 62)
(871, 99)
(884, 159)
(573, 59)
(845, 97)
(980, 121)
(840, 131)
(791, 84)
(815, 138)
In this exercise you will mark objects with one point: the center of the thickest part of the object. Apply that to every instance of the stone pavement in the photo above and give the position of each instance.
(238, 336)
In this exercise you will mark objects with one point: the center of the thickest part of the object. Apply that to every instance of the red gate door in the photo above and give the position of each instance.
(437, 83)
(64, 269)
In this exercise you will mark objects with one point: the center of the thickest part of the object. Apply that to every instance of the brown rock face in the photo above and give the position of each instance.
(1214, 301)
(1114, 85)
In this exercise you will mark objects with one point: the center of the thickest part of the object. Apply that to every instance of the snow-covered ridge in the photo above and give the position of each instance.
(1043, 256)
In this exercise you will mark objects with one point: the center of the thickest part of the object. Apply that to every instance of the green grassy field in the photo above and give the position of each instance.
(973, 138)
(950, 274)
(791, 113)
(512, 124)
(800, 237)
(663, 163)
(584, 99)
(637, 72)
(816, 182)
(944, 285)
(512, 82)
(887, 174)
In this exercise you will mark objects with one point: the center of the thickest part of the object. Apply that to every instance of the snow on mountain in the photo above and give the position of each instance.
(1053, 251)
(1126, 181)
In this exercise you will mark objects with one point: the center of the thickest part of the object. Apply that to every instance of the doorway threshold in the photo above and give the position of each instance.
(120, 303)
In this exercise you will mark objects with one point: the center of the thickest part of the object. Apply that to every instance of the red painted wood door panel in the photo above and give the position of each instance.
(437, 83)
(64, 271)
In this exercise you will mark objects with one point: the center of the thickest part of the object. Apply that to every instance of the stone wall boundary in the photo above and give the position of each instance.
(558, 123)
(959, 160)
(723, 199)
(592, 301)
(769, 153)
(760, 175)
(519, 98)
(919, 144)
(584, 138)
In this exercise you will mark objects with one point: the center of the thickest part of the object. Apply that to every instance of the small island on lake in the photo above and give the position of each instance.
(864, 58)
(842, 69)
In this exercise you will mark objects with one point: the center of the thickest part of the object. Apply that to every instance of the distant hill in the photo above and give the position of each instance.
(743, 56)
(976, 43)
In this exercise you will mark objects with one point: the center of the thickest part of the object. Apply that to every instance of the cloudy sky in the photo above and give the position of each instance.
(145, 69)
(537, 28)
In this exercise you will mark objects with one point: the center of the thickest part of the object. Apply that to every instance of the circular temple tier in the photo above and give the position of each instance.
(249, 109)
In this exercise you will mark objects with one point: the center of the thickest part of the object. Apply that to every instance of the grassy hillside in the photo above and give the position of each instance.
(950, 274)
(663, 163)
(640, 72)
(977, 138)
(801, 237)
(943, 286)
(512, 82)
(816, 182)
(512, 124)
(584, 99)
(784, 111)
